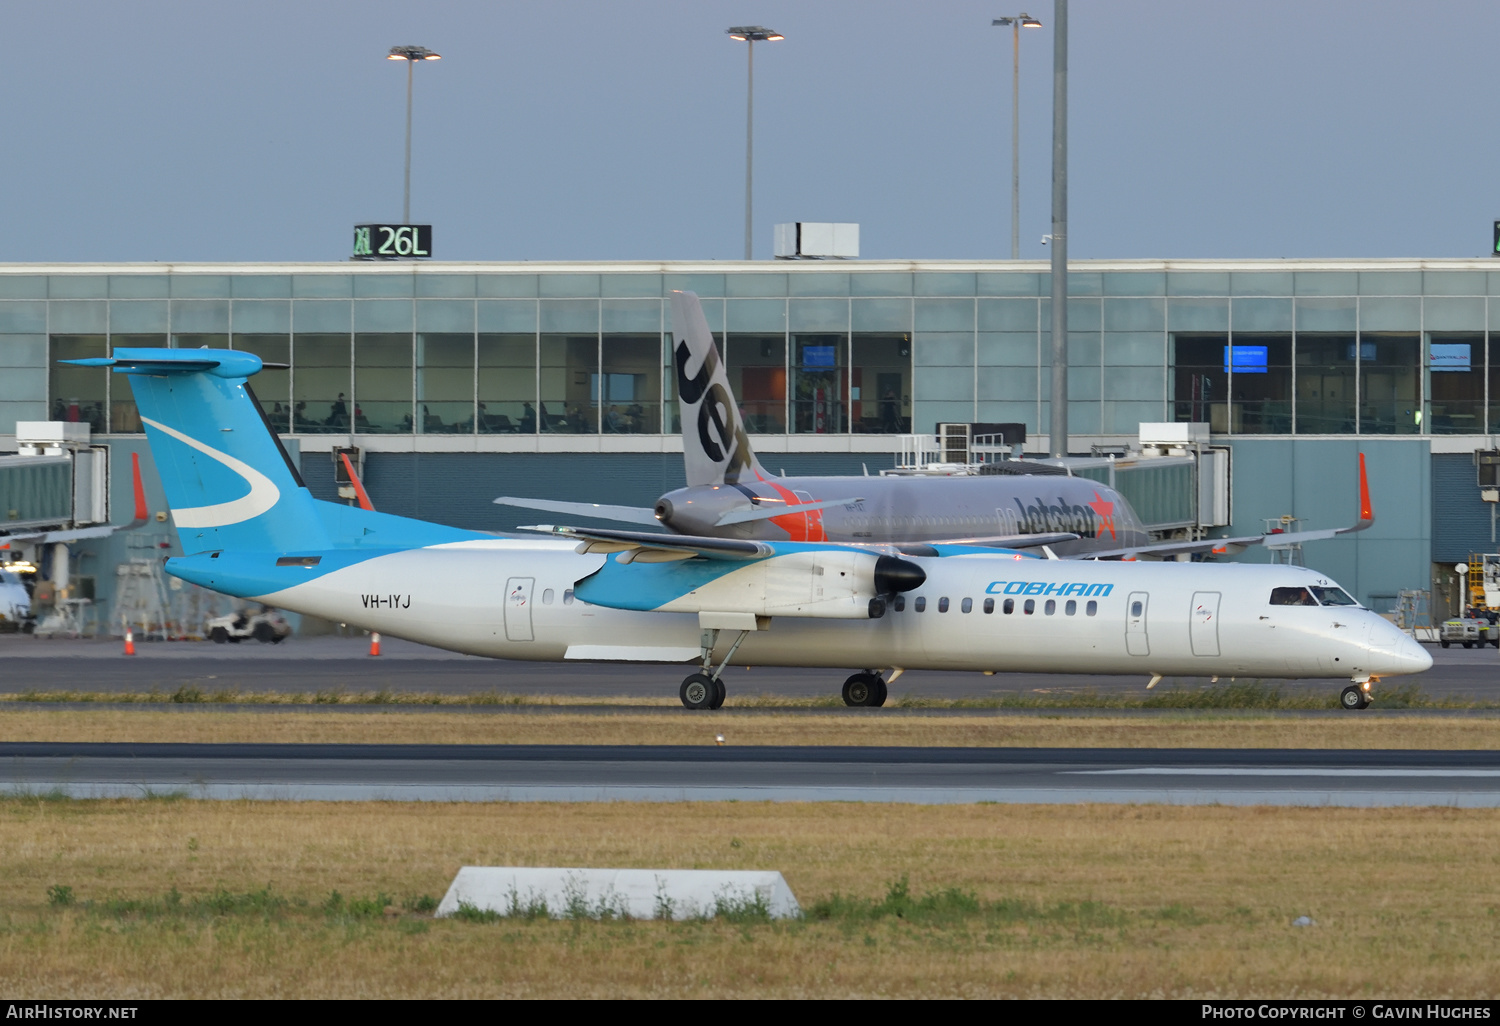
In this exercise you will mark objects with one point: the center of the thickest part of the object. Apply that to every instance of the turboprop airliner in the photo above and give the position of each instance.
(249, 527)
(730, 495)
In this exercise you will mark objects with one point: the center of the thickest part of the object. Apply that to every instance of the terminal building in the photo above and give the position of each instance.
(461, 382)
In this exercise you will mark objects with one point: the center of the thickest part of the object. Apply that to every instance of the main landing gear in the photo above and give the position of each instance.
(705, 689)
(1355, 696)
(866, 688)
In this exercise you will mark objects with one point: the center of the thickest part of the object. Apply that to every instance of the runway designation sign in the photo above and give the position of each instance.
(392, 241)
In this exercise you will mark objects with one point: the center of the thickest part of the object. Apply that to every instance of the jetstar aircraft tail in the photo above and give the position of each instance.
(212, 442)
(715, 448)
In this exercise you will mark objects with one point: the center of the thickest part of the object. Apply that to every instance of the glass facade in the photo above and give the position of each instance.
(1265, 348)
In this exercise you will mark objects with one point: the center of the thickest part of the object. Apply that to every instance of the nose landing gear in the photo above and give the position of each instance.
(1355, 696)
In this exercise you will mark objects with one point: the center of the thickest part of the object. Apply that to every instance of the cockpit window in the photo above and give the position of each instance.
(1293, 597)
(1333, 596)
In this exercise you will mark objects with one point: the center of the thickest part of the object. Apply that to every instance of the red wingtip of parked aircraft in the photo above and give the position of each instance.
(1366, 512)
(359, 488)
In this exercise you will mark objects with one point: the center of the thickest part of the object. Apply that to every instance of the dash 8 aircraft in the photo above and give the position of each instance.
(249, 527)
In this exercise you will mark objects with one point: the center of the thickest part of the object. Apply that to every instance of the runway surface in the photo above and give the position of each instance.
(1360, 778)
(341, 664)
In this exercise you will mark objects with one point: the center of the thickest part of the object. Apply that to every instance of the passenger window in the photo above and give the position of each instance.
(900, 604)
(920, 605)
(967, 605)
(1292, 597)
(1136, 609)
(547, 597)
(568, 597)
(1051, 606)
(1009, 607)
(1071, 607)
(1029, 607)
(943, 604)
(1092, 608)
(989, 605)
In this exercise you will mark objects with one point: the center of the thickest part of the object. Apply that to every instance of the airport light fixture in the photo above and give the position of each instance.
(410, 54)
(751, 34)
(1015, 23)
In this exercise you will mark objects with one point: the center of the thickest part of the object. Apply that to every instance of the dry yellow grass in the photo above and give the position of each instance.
(1187, 901)
(680, 727)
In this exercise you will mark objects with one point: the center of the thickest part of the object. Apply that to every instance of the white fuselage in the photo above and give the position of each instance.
(513, 599)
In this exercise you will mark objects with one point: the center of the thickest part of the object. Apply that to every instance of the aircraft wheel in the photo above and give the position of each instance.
(720, 693)
(699, 691)
(864, 690)
(219, 635)
(1353, 697)
(884, 692)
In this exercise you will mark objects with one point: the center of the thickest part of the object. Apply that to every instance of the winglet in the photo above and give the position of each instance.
(142, 514)
(359, 488)
(1366, 512)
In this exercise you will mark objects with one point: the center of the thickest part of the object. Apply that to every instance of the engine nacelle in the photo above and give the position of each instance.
(846, 584)
(833, 583)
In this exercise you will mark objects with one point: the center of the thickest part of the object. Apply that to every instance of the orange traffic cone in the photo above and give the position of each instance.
(374, 643)
(129, 641)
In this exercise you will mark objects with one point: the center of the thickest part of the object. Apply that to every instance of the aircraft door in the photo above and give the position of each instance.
(518, 608)
(1203, 627)
(1136, 642)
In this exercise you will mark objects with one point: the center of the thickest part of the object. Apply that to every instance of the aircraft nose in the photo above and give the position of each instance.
(1415, 657)
(1396, 651)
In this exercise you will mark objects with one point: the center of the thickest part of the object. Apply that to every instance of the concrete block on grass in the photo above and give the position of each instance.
(576, 893)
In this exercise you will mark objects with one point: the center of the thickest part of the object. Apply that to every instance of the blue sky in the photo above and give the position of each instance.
(587, 130)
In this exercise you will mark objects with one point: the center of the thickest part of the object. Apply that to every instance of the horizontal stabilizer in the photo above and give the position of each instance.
(767, 510)
(223, 363)
(598, 510)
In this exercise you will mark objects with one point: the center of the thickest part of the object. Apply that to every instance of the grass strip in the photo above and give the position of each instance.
(1059, 729)
(227, 899)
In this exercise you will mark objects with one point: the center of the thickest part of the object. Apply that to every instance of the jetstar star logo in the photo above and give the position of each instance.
(1105, 511)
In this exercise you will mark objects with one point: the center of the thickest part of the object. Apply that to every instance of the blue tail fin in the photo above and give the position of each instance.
(211, 442)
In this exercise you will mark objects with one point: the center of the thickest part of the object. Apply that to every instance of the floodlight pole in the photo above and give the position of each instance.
(406, 191)
(750, 35)
(749, 142)
(1015, 23)
(1058, 433)
(409, 54)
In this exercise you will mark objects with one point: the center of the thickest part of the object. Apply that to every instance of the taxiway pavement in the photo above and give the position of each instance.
(341, 664)
(1359, 778)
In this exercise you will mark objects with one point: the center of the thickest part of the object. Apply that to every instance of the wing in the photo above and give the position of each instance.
(656, 547)
(598, 510)
(769, 508)
(1009, 541)
(1282, 540)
